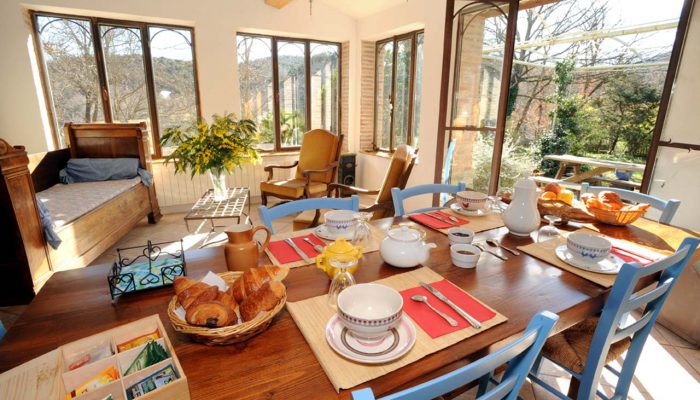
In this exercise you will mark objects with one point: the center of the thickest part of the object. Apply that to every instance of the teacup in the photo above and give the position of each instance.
(339, 222)
(465, 255)
(588, 248)
(370, 310)
(460, 235)
(472, 201)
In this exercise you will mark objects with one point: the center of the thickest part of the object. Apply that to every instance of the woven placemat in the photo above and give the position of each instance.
(312, 315)
(545, 252)
(377, 236)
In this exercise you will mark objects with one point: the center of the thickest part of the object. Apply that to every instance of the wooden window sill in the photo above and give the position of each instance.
(378, 153)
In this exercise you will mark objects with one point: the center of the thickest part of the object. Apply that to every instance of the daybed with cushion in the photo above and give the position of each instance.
(88, 217)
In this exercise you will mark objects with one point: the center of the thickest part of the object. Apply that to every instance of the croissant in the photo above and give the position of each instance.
(264, 299)
(212, 314)
(199, 292)
(254, 278)
(227, 300)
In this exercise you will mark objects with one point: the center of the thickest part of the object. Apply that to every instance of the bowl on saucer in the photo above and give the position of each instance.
(587, 247)
(340, 222)
(609, 265)
(370, 310)
(470, 200)
(456, 207)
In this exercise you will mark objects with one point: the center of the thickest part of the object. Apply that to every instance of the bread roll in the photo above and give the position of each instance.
(212, 314)
(608, 196)
(254, 278)
(199, 292)
(265, 299)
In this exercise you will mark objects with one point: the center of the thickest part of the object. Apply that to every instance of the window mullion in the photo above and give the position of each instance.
(101, 69)
(276, 94)
(307, 67)
(393, 95)
(150, 88)
(411, 84)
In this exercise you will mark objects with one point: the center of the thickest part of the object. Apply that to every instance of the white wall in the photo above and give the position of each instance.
(22, 112)
(676, 173)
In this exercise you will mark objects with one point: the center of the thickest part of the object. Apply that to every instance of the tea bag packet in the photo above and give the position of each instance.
(151, 354)
(152, 382)
(138, 341)
(108, 375)
(90, 355)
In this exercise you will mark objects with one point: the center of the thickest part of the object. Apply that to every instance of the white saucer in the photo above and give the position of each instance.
(322, 232)
(478, 213)
(396, 344)
(610, 265)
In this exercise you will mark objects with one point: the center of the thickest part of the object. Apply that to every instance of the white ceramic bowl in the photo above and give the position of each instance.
(460, 235)
(465, 255)
(370, 310)
(588, 248)
(471, 200)
(340, 222)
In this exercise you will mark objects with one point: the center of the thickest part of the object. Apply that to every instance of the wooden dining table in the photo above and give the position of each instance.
(279, 363)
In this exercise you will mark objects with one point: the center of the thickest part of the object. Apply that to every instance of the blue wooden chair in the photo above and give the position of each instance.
(270, 214)
(609, 336)
(448, 168)
(519, 355)
(399, 195)
(668, 208)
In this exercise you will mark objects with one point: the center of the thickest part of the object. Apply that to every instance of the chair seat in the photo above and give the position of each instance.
(291, 188)
(570, 347)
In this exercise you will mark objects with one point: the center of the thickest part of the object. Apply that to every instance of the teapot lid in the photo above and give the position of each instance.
(340, 246)
(404, 234)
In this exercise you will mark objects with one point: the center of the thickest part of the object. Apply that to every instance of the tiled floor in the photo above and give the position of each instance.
(668, 369)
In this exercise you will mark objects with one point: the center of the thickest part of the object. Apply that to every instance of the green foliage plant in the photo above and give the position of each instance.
(219, 147)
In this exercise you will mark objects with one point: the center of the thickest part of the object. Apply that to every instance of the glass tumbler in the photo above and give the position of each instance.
(549, 231)
(342, 279)
(363, 233)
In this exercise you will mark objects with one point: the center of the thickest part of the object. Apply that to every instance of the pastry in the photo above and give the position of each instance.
(180, 283)
(227, 299)
(254, 278)
(212, 314)
(198, 292)
(608, 196)
(265, 299)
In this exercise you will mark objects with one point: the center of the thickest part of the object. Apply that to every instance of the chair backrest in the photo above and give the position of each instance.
(2, 331)
(668, 208)
(319, 148)
(396, 175)
(399, 195)
(520, 355)
(623, 299)
(270, 214)
(448, 167)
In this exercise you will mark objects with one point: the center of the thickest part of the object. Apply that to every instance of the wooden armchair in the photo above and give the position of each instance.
(316, 168)
(396, 176)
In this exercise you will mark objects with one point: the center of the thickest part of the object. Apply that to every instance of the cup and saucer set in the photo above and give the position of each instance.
(338, 224)
(590, 253)
(471, 204)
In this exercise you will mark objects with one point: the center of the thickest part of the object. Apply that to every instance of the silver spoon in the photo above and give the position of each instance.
(316, 247)
(423, 299)
(498, 244)
(493, 253)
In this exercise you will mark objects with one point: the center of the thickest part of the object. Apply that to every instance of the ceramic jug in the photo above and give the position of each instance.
(340, 247)
(522, 217)
(241, 251)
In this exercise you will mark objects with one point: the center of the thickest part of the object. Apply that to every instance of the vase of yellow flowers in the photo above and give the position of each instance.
(215, 148)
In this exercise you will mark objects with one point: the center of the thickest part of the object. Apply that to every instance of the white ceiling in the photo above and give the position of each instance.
(361, 8)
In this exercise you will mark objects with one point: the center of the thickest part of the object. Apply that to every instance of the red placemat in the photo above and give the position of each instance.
(284, 253)
(629, 252)
(427, 220)
(433, 324)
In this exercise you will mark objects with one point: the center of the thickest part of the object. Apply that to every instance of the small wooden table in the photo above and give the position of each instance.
(208, 208)
(278, 363)
(599, 167)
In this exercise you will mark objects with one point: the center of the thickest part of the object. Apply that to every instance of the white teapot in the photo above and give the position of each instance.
(404, 247)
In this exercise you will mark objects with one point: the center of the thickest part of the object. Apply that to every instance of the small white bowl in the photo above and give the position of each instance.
(465, 255)
(471, 200)
(340, 221)
(459, 235)
(588, 248)
(370, 310)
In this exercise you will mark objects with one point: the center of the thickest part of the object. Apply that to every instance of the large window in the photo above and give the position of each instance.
(399, 65)
(117, 71)
(288, 86)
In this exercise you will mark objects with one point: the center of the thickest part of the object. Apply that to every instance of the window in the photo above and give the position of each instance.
(288, 86)
(117, 71)
(398, 70)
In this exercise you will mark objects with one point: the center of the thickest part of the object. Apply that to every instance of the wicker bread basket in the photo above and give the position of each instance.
(227, 334)
(616, 217)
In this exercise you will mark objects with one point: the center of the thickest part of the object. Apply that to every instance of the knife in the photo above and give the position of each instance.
(298, 250)
(440, 218)
(473, 322)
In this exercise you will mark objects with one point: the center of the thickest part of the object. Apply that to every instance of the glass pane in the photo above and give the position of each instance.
(71, 69)
(292, 92)
(402, 88)
(255, 77)
(325, 96)
(382, 100)
(174, 79)
(126, 76)
(417, 88)
(588, 86)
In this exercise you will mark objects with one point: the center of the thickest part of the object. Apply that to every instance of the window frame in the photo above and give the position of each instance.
(411, 83)
(307, 67)
(95, 23)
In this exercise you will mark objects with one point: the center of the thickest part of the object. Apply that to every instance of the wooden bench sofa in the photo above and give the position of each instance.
(26, 259)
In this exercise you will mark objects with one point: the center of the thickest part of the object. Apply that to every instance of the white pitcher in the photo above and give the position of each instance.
(522, 217)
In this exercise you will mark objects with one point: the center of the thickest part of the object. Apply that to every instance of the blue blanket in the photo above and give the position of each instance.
(103, 169)
(50, 234)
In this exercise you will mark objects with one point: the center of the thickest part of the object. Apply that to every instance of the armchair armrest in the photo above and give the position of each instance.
(338, 187)
(269, 168)
(308, 172)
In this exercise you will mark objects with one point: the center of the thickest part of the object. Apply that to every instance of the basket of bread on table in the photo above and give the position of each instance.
(230, 307)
